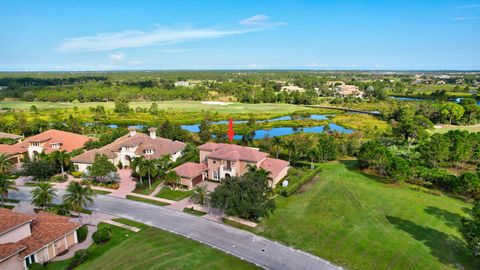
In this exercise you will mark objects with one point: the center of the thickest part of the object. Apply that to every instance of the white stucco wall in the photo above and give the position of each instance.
(16, 234)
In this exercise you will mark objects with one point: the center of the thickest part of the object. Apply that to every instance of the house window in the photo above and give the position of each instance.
(215, 175)
(29, 260)
(149, 151)
(56, 145)
(214, 162)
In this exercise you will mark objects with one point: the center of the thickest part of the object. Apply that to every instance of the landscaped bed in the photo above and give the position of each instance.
(173, 194)
(194, 212)
(145, 190)
(100, 192)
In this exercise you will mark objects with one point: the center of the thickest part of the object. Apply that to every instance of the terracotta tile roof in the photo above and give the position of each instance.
(4, 135)
(10, 219)
(12, 149)
(190, 169)
(232, 152)
(68, 141)
(9, 249)
(274, 166)
(45, 227)
(161, 147)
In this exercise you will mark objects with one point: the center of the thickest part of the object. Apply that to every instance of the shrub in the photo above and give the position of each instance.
(58, 178)
(102, 235)
(36, 266)
(77, 174)
(140, 185)
(82, 233)
(294, 185)
(79, 257)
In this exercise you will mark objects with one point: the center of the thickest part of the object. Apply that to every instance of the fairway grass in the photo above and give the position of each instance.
(353, 220)
(187, 106)
(447, 128)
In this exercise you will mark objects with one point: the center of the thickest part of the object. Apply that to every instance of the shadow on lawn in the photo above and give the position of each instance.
(352, 165)
(452, 220)
(449, 249)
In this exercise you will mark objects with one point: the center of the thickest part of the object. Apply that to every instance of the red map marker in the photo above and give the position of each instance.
(231, 133)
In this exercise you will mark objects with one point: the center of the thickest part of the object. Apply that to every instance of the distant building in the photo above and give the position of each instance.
(441, 82)
(15, 137)
(349, 90)
(130, 146)
(293, 88)
(26, 239)
(182, 84)
(3, 87)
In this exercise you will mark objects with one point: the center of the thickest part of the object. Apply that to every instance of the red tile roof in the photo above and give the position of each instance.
(69, 141)
(232, 152)
(9, 249)
(190, 170)
(4, 135)
(12, 149)
(274, 166)
(161, 147)
(10, 220)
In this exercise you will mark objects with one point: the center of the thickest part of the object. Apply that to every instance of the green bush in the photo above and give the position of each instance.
(58, 178)
(79, 257)
(77, 174)
(295, 184)
(36, 266)
(82, 233)
(102, 235)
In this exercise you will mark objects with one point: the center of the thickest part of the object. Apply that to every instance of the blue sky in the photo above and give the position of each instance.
(119, 35)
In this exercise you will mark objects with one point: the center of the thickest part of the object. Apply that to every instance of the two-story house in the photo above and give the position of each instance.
(28, 239)
(220, 160)
(132, 145)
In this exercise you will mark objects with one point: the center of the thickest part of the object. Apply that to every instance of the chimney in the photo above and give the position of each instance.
(133, 131)
(153, 132)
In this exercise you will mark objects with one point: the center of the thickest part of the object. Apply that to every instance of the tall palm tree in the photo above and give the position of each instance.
(43, 195)
(163, 164)
(312, 155)
(137, 164)
(200, 195)
(63, 158)
(150, 167)
(277, 143)
(291, 147)
(5, 163)
(77, 197)
(6, 185)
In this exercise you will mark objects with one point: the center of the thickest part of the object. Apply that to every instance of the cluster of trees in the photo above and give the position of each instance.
(153, 169)
(248, 196)
(427, 163)
(44, 166)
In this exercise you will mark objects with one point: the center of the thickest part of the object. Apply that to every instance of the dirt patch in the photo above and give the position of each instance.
(308, 185)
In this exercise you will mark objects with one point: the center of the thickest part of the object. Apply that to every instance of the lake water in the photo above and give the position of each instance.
(457, 100)
(265, 133)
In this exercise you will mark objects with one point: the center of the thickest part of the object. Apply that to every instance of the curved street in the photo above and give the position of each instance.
(245, 245)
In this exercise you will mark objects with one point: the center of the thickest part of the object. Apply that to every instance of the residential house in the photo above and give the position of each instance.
(220, 160)
(130, 146)
(15, 137)
(28, 239)
(349, 90)
(45, 142)
(293, 88)
(182, 84)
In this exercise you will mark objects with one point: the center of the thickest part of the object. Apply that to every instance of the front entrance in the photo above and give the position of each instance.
(128, 160)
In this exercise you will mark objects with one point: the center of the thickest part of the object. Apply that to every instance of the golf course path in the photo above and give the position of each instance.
(245, 245)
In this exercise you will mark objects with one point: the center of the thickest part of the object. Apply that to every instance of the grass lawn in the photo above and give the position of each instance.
(7, 206)
(187, 106)
(446, 128)
(152, 248)
(139, 199)
(100, 192)
(175, 195)
(351, 219)
(146, 190)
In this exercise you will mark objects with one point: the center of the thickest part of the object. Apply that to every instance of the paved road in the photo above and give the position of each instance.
(245, 245)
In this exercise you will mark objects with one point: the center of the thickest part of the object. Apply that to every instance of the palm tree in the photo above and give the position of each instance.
(171, 178)
(78, 197)
(43, 195)
(200, 195)
(6, 185)
(137, 164)
(291, 147)
(277, 143)
(163, 164)
(150, 167)
(63, 158)
(5, 163)
(312, 154)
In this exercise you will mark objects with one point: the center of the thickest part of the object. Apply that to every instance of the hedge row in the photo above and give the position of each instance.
(295, 185)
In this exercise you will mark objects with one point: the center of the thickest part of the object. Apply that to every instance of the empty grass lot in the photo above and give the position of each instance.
(353, 220)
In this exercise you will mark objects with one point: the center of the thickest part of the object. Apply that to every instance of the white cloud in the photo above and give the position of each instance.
(254, 65)
(116, 56)
(159, 36)
(464, 18)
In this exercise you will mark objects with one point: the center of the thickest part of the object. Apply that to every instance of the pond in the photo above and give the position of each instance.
(457, 100)
(265, 133)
